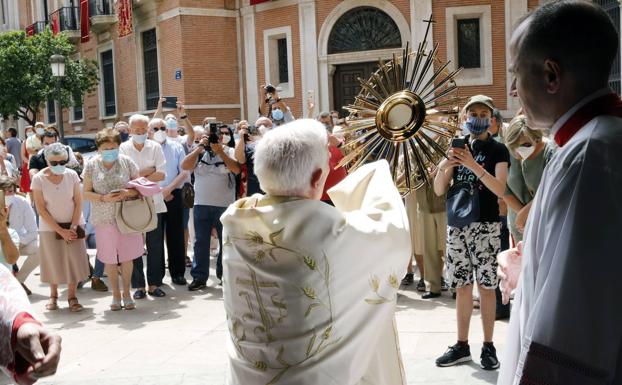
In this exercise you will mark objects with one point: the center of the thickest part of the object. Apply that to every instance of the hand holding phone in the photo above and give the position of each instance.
(170, 102)
(458, 143)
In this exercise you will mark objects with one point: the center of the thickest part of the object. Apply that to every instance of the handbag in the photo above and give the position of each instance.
(79, 230)
(187, 195)
(462, 204)
(136, 216)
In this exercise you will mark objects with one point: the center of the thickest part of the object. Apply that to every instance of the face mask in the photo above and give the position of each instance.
(40, 131)
(171, 124)
(263, 129)
(124, 136)
(159, 136)
(110, 156)
(277, 114)
(476, 125)
(525, 152)
(139, 139)
(58, 170)
(226, 138)
(29, 134)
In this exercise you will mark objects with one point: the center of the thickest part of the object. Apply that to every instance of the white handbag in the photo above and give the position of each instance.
(136, 216)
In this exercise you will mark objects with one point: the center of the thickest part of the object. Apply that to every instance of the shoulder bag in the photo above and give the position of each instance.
(462, 204)
(136, 216)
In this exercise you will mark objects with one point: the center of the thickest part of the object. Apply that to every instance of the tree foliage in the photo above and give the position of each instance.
(26, 80)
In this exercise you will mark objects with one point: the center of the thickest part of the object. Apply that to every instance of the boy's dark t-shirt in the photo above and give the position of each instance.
(487, 153)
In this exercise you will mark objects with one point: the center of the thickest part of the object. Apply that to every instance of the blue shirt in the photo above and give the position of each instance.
(174, 155)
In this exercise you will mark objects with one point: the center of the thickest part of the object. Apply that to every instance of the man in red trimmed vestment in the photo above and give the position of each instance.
(566, 325)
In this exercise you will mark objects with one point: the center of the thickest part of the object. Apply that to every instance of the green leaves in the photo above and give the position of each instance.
(26, 77)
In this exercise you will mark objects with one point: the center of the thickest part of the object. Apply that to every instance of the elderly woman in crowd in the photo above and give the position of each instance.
(56, 191)
(532, 152)
(105, 177)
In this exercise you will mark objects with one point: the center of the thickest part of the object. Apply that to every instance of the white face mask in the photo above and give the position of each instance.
(159, 136)
(525, 152)
(29, 134)
(226, 139)
(40, 131)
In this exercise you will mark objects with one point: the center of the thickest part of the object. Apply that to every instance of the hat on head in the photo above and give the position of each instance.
(480, 99)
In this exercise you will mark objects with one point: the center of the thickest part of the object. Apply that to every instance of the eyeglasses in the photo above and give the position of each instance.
(163, 128)
(223, 133)
(50, 134)
(58, 162)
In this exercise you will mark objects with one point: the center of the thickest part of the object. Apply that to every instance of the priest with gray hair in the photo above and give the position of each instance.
(310, 289)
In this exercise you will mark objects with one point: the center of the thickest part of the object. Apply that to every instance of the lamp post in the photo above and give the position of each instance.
(58, 71)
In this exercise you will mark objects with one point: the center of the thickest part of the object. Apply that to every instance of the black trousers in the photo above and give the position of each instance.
(170, 224)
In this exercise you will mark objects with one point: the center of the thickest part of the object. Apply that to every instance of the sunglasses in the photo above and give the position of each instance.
(58, 162)
(159, 128)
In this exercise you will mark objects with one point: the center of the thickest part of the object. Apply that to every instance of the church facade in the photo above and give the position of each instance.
(215, 54)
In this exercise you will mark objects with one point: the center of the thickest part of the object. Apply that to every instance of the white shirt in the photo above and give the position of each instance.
(151, 155)
(22, 219)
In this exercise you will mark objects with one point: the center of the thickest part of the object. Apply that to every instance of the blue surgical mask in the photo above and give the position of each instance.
(139, 139)
(110, 156)
(476, 125)
(58, 169)
(171, 124)
(277, 114)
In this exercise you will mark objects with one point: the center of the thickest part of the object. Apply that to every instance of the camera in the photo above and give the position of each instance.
(213, 133)
(269, 89)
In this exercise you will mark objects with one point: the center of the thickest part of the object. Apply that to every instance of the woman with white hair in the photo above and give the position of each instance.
(313, 271)
(56, 191)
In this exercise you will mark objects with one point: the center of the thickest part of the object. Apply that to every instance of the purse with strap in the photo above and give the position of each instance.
(462, 204)
(79, 231)
(187, 195)
(136, 216)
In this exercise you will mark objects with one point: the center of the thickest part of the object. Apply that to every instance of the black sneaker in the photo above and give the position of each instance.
(488, 359)
(408, 279)
(421, 285)
(196, 285)
(456, 354)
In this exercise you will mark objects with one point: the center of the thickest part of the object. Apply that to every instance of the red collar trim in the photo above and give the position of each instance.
(609, 104)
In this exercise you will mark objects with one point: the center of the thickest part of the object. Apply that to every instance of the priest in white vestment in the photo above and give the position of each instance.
(310, 289)
(566, 324)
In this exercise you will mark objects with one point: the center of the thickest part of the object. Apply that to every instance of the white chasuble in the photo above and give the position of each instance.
(310, 289)
(566, 324)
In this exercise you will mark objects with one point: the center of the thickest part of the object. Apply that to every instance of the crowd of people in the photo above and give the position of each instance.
(284, 216)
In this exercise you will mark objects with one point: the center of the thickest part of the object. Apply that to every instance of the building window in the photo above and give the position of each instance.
(468, 43)
(107, 68)
(2, 18)
(283, 66)
(77, 113)
(364, 29)
(612, 7)
(51, 111)
(150, 62)
(279, 60)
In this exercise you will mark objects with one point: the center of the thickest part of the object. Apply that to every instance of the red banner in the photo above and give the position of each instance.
(55, 22)
(30, 30)
(124, 11)
(84, 21)
(253, 2)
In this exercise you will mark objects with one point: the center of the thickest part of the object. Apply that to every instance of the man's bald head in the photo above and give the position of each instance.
(577, 35)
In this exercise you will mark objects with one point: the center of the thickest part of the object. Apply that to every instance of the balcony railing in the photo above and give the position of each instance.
(35, 28)
(68, 18)
(101, 13)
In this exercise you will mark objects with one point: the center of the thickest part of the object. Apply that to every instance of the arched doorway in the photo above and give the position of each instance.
(352, 39)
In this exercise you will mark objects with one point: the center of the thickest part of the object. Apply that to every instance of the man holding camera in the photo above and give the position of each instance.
(214, 166)
(275, 108)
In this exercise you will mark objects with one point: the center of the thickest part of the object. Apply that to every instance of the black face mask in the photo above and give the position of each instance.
(124, 136)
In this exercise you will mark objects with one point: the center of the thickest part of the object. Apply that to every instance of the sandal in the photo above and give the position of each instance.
(52, 303)
(115, 305)
(129, 304)
(74, 305)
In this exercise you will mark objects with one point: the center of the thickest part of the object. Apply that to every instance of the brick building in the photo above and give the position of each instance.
(214, 54)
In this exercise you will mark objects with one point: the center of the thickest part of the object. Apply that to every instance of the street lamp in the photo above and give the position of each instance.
(58, 71)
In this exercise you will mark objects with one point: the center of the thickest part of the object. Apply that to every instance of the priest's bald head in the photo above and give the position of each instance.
(560, 53)
(292, 160)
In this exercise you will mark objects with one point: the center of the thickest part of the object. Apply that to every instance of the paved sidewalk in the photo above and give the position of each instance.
(180, 339)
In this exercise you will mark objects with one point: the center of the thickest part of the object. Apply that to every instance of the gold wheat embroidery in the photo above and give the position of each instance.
(374, 283)
(251, 289)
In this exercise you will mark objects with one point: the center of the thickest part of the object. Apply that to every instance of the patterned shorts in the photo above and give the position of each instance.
(473, 248)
